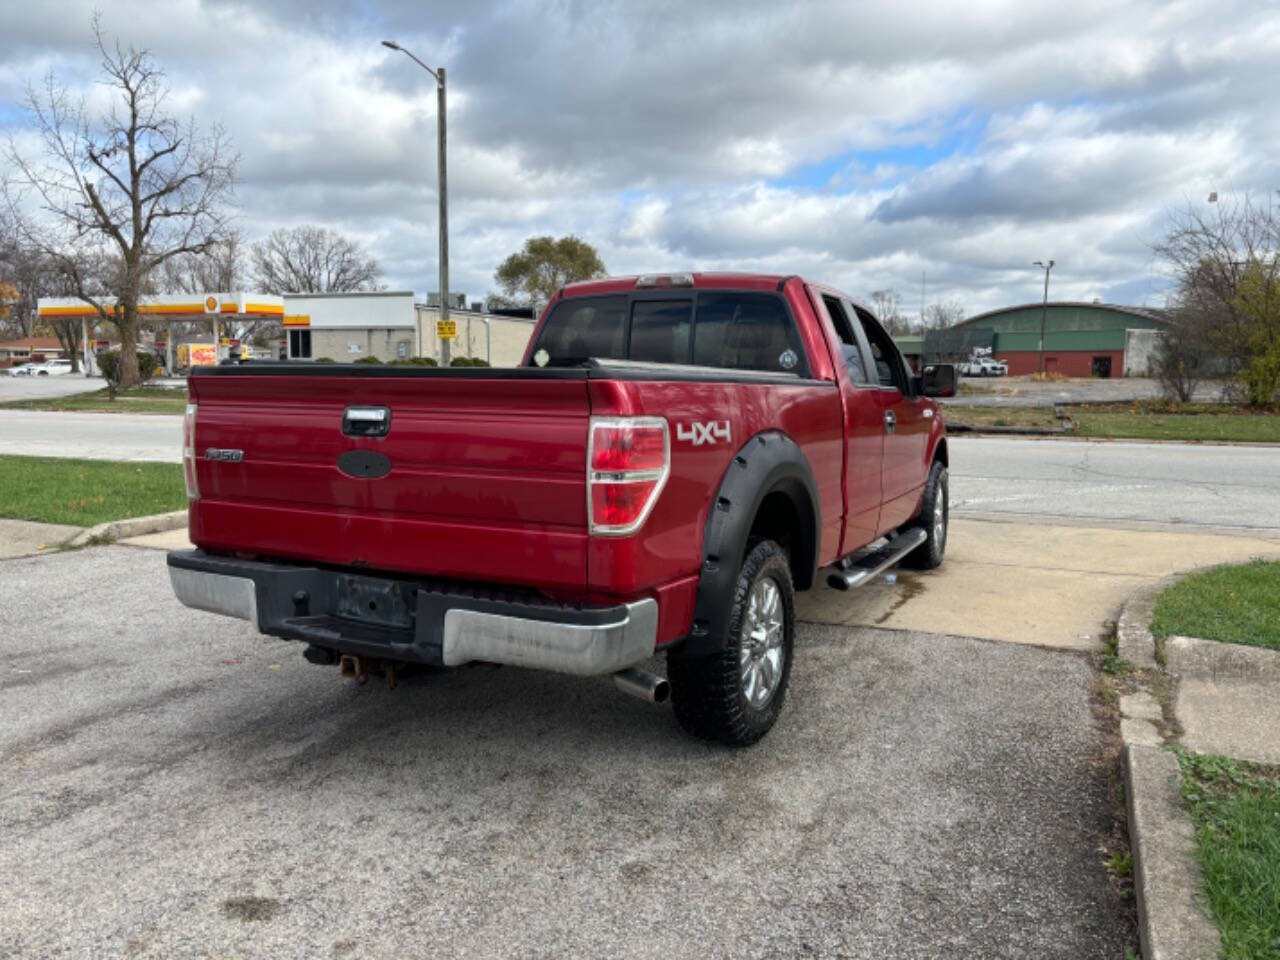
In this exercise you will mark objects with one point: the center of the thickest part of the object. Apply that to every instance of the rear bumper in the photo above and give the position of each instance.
(414, 621)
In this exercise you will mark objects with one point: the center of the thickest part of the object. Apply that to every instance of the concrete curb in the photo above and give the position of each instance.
(1135, 641)
(133, 527)
(1173, 916)
(1217, 662)
(961, 427)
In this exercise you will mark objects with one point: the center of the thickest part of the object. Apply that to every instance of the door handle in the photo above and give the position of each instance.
(366, 421)
(890, 421)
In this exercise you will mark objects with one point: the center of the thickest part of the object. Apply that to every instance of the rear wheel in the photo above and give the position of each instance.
(934, 517)
(735, 695)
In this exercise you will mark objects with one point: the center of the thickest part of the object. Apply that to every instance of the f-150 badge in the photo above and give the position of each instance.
(713, 431)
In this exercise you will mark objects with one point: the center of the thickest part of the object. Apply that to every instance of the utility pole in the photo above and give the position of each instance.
(1044, 307)
(442, 190)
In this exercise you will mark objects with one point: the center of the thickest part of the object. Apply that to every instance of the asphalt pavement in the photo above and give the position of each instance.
(176, 786)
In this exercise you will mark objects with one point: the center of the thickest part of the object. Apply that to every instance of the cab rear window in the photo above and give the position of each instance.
(737, 331)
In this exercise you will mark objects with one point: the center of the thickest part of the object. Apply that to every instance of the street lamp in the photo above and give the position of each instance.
(443, 191)
(1044, 308)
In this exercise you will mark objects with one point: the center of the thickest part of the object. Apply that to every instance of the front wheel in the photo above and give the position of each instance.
(735, 695)
(934, 517)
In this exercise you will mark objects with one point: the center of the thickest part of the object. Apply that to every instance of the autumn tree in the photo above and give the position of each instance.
(1224, 258)
(134, 185)
(312, 259)
(26, 275)
(531, 277)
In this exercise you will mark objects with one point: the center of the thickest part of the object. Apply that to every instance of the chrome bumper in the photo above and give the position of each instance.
(303, 603)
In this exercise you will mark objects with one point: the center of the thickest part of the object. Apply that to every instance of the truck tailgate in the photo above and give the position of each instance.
(486, 479)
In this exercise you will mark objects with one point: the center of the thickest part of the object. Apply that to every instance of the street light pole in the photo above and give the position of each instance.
(1044, 307)
(442, 190)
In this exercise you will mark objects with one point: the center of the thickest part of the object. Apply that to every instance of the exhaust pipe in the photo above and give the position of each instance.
(643, 684)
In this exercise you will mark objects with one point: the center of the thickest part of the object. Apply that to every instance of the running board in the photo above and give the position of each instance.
(867, 567)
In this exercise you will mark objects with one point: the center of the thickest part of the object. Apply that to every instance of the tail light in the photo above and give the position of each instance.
(628, 459)
(189, 452)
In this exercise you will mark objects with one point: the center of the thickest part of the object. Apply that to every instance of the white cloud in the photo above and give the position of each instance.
(963, 140)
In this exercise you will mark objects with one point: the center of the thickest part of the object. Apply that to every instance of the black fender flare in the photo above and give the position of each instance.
(770, 462)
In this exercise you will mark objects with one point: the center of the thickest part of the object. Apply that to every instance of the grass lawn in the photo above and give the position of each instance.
(1236, 604)
(138, 400)
(1235, 808)
(1193, 421)
(87, 492)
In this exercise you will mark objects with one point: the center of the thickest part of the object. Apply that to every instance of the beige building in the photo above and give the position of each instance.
(389, 325)
(500, 340)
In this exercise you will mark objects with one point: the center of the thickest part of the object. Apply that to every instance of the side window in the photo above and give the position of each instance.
(580, 329)
(747, 331)
(848, 341)
(660, 330)
(889, 370)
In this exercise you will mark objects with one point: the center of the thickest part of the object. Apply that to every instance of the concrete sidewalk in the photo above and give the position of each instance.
(24, 538)
(1045, 584)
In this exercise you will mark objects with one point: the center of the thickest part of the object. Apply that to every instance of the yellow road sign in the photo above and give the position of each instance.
(447, 329)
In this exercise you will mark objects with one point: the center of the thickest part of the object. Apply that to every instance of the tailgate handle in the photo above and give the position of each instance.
(366, 421)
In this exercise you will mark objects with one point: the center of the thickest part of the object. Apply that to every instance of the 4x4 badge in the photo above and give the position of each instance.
(698, 433)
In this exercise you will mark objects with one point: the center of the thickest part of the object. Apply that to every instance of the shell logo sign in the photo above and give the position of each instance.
(211, 304)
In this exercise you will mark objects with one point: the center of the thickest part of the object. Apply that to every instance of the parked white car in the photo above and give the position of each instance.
(983, 367)
(44, 369)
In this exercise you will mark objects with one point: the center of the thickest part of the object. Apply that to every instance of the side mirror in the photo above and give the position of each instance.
(939, 380)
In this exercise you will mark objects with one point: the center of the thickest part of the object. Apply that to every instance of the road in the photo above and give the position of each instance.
(175, 786)
(91, 436)
(34, 388)
(1189, 485)
(1228, 487)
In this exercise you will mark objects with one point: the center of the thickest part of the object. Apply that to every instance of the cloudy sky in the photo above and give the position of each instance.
(867, 145)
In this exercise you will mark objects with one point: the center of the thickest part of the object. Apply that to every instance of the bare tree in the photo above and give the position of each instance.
(135, 186)
(943, 315)
(888, 307)
(1225, 259)
(311, 259)
(219, 269)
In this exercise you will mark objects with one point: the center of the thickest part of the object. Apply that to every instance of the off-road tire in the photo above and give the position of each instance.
(708, 692)
(929, 554)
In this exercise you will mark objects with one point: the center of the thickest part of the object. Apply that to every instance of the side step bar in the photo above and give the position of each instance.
(865, 568)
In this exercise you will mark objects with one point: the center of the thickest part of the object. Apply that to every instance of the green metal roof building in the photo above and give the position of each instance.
(1080, 339)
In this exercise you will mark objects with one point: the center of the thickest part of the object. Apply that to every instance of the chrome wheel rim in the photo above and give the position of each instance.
(940, 516)
(761, 654)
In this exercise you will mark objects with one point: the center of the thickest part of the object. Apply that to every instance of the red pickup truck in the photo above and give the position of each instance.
(674, 459)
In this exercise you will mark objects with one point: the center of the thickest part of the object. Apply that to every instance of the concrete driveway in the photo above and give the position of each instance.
(175, 786)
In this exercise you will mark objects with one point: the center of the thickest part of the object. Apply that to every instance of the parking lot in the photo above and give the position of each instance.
(943, 781)
(177, 786)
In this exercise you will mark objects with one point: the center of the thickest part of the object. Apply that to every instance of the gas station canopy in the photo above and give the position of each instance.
(174, 306)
